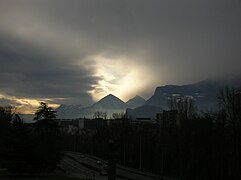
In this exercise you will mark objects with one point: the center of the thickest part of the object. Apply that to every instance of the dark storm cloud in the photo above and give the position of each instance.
(34, 72)
(46, 46)
(190, 35)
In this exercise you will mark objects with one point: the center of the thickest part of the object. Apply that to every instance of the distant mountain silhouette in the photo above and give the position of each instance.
(27, 118)
(204, 93)
(68, 111)
(109, 102)
(135, 102)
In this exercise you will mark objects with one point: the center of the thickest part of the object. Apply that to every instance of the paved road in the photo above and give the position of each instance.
(75, 169)
(85, 166)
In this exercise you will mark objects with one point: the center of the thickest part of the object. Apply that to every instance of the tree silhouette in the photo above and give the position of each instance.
(17, 154)
(29, 148)
(100, 115)
(5, 122)
(230, 104)
(47, 137)
(44, 112)
(185, 105)
(120, 115)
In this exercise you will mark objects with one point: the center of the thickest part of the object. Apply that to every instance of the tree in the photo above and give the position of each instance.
(5, 121)
(47, 136)
(184, 104)
(100, 115)
(120, 115)
(17, 153)
(27, 148)
(229, 100)
(6, 114)
(44, 112)
(45, 119)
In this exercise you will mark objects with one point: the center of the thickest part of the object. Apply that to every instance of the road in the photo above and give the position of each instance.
(85, 166)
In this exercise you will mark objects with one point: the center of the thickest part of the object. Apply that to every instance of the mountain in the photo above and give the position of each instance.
(69, 111)
(204, 92)
(135, 102)
(27, 118)
(109, 104)
(146, 111)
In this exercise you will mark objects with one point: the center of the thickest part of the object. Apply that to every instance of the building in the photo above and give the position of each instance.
(169, 118)
(71, 126)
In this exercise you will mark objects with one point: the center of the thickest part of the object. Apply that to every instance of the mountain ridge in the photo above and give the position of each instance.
(203, 92)
(109, 102)
(136, 101)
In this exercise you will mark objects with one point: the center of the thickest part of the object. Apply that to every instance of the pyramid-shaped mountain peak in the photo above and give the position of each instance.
(110, 102)
(110, 96)
(136, 101)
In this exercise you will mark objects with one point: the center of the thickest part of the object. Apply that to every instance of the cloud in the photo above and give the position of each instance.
(73, 51)
(32, 71)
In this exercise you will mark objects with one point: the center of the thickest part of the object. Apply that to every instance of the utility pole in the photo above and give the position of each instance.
(112, 160)
(140, 158)
(140, 167)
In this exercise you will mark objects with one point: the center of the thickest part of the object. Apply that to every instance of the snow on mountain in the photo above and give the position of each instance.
(135, 102)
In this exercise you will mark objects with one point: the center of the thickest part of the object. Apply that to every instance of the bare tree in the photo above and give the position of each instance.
(100, 115)
(230, 103)
(120, 115)
(229, 100)
(183, 104)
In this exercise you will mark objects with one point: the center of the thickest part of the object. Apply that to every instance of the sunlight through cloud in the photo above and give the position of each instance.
(117, 78)
(26, 105)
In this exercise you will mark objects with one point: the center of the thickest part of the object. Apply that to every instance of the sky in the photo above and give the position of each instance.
(78, 51)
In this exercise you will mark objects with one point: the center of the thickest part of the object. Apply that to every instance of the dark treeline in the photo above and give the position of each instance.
(29, 148)
(205, 146)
